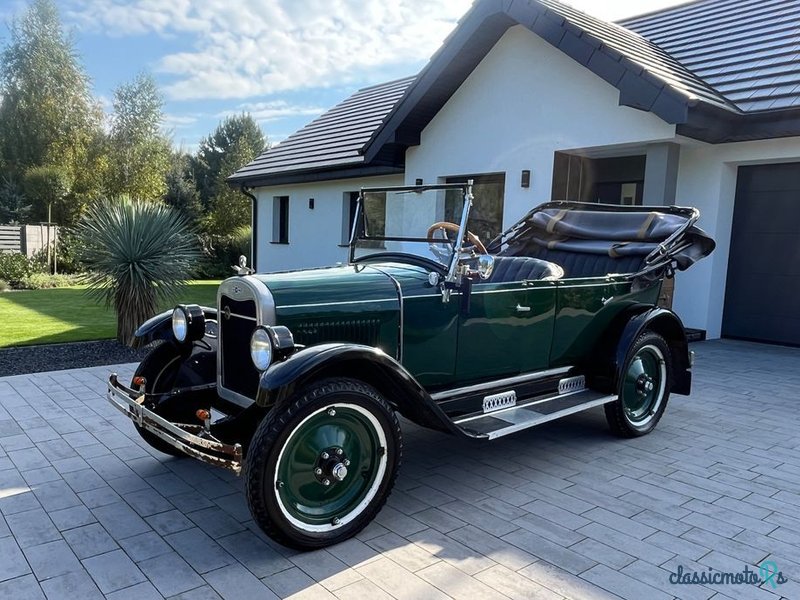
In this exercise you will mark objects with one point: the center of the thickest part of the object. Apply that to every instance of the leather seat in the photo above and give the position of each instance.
(521, 268)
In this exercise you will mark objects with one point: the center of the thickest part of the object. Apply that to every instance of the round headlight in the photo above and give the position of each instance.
(261, 349)
(180, 324)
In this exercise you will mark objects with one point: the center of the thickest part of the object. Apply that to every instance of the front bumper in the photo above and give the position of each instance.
(194, 440)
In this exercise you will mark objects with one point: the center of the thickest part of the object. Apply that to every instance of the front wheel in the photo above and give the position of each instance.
(319, 470)
(643, 388)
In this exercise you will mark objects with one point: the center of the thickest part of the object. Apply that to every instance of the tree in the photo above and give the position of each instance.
(181, 191)
(138, 256)
(139, 153)
(13, 206)
(47, 114)
(47, 187)
(236, 141)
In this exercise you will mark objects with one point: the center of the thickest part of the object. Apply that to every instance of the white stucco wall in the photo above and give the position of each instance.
(707, 180)
(523, 102)
(315, 235)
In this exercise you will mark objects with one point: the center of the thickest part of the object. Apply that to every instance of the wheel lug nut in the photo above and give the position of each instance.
(326, 482)
(346, 462)
(331, 412)
(335, 521)
(324, 456)
(317, 471)
(339, 451)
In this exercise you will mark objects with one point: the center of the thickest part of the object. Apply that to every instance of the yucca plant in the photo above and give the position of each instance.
(138, 256)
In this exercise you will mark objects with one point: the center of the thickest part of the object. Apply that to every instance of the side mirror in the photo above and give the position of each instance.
(485, 266)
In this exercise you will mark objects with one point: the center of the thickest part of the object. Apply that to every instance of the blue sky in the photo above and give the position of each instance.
(284, 61)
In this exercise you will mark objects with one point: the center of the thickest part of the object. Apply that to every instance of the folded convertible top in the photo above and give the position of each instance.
(663, 235)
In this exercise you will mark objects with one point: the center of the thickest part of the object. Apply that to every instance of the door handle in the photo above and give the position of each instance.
(521, 308)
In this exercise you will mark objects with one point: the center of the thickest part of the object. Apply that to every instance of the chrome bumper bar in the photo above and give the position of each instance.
(202, 447)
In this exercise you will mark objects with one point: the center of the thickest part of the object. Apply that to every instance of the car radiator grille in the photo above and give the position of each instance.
(356, 331)
(237, 373)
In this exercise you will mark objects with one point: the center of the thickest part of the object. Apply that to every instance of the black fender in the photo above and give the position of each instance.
(610, 355)
(160, 327)
(282, 380)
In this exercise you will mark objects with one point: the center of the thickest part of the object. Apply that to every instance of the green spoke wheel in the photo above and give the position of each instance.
(643, 388)
(321, 466)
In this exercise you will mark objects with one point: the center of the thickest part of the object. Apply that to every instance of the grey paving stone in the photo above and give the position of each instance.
(169, 522)
(90, 540)
(171, 574)
(140, 591)
(147, 502)
(21, 588)
(32, 528)
(145, 545)
(12, 561)
(120, 520)
(199, 550)
(52, 559)
(205, 592)
(55, 495)
(622, 585)
(255, 554)
(458, 584)
(234, 582)
(82, 480)
(73, 585)
(451, 551)
(113, 571)
(69, 518)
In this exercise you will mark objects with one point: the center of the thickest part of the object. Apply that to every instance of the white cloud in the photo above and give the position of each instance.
(246, 48)
(272, 110)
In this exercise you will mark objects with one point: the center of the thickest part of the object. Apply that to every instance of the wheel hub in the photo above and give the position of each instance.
(331, 466)
(644, 384)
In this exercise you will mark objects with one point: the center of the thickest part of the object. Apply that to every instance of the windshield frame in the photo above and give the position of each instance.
(358, 226)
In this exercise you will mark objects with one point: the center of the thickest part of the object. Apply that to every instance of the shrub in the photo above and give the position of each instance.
(138, 254)
(223, 251)
(4, 286)
(68, 251)
(44, 281)
(15, 266)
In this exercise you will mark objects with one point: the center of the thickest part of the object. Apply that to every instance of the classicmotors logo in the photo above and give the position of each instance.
(768, 573)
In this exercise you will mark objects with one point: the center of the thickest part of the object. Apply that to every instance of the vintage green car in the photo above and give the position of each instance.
(297, 377)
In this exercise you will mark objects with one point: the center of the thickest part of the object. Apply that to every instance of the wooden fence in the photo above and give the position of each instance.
(27, 239)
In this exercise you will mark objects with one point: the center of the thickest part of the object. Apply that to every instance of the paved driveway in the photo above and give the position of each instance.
(563, 511)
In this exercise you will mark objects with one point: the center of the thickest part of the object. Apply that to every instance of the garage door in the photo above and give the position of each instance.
(762, 299)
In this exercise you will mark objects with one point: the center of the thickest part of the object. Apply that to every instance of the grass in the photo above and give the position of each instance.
(69, 315)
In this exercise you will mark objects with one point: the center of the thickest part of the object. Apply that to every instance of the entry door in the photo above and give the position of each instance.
(507, 329)
(763, 286)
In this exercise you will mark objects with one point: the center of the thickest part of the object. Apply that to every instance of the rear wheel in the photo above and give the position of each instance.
(643, 388)
(319, 470)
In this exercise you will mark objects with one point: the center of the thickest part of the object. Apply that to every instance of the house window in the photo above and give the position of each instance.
(615, 180)
(486, 216)
(280, 220)
(349, 205)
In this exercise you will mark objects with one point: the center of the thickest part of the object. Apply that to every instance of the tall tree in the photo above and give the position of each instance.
(181, 191)
(139, 153)
(47, 114)
(236, 141)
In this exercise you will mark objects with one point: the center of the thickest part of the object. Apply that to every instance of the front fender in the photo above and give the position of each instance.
(160, 327)
(281, 381)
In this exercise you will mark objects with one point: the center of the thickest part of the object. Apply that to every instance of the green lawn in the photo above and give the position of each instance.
(69, 315)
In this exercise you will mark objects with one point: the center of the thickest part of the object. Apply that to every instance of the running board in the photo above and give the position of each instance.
(502, 422)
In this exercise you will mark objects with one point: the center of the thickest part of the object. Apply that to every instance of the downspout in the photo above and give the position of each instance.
(253, 226)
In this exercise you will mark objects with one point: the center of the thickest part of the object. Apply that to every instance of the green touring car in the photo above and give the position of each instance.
(296, 378)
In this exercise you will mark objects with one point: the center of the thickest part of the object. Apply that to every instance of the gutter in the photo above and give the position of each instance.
(253, 226)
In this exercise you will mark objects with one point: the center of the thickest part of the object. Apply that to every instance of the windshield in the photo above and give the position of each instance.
(397, 221)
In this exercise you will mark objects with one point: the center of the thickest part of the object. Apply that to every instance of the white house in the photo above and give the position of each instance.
(697, 105)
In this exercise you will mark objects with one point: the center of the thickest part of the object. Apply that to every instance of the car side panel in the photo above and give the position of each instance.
(585, 308)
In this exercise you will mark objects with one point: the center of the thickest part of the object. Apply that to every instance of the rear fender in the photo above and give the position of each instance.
(608, 358)
(160, 327)
(372, 366)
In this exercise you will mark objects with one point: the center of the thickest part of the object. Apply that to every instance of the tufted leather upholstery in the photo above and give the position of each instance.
(520, 268)
(578, 264)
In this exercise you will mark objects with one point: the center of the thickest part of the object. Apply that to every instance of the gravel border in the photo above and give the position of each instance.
(55, 357)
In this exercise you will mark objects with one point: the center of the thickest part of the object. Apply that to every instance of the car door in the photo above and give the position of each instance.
(505, 329)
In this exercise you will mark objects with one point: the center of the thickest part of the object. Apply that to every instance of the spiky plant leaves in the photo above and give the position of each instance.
(138, 256)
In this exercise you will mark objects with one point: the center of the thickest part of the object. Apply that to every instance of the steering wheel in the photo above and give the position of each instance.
(447, 226)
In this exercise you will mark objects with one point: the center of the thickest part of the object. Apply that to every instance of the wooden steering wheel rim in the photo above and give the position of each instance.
(447, 225)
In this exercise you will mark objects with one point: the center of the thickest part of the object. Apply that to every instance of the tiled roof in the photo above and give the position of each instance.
(746, 50)
(333, 140)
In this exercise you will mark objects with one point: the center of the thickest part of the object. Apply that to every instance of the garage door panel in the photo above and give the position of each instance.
(762, 297)
(771, 178)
